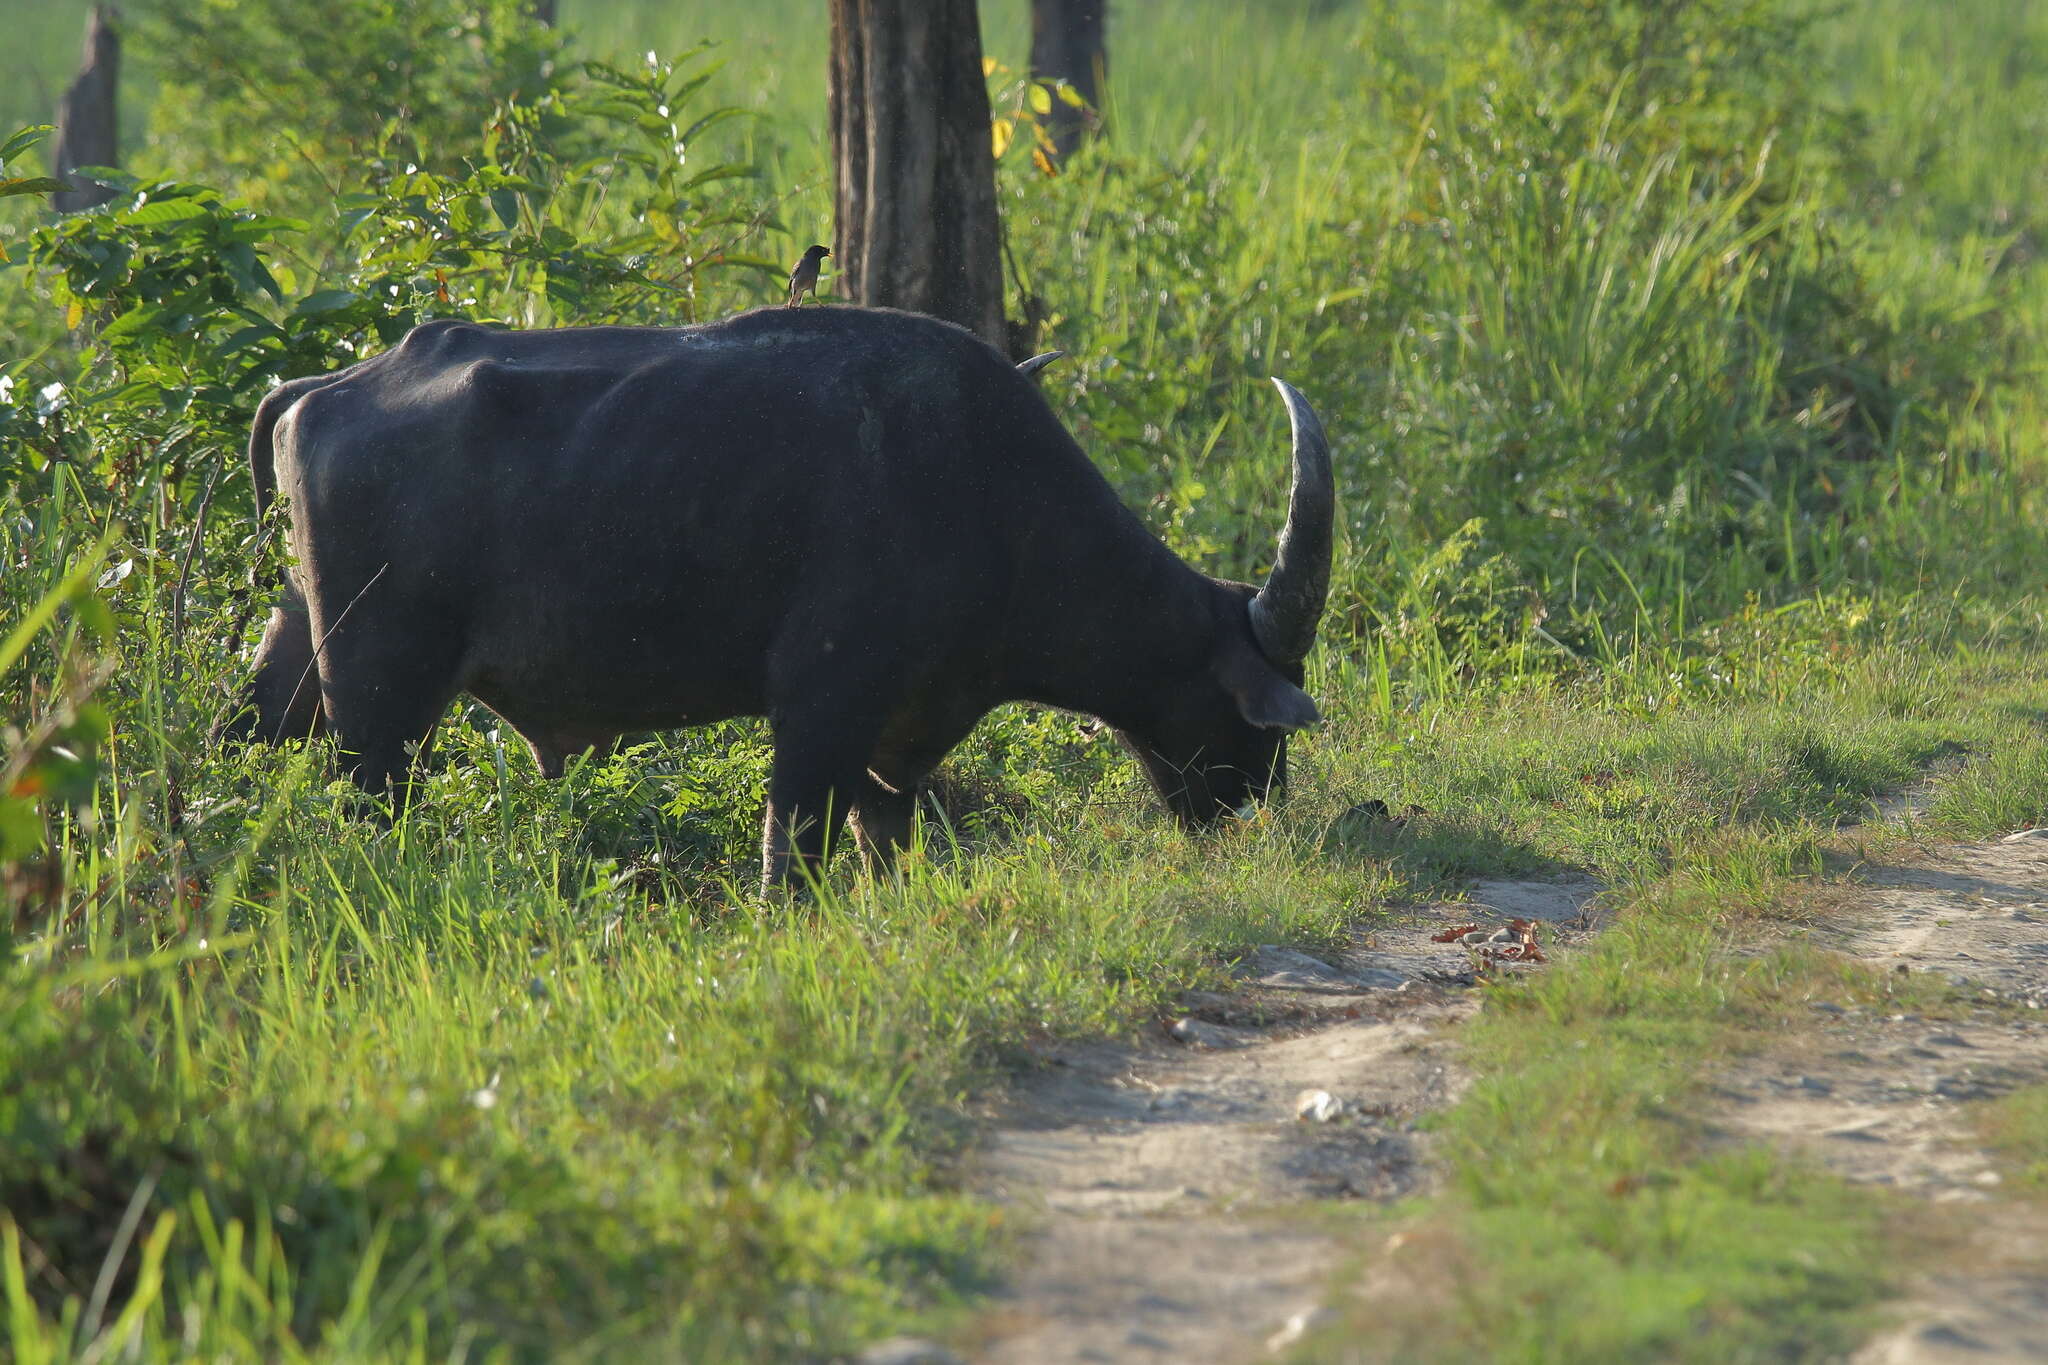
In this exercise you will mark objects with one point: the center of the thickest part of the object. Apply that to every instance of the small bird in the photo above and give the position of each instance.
(804, 279)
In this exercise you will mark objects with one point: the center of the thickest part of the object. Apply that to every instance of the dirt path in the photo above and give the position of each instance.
(1881, 1098)
(1164, 1181)
(1167, 1184)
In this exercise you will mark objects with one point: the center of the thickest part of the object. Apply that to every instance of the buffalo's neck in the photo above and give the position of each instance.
(1107, 623)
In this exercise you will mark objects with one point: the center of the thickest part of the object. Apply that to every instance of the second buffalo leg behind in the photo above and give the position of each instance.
(885, 812)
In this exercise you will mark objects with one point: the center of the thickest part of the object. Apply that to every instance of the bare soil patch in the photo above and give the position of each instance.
(1168, 1182)
(1882, 1097)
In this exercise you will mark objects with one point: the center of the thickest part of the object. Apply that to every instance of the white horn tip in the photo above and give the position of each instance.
(1300, 415)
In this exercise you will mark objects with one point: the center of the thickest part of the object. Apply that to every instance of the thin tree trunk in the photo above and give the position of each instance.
(915, 188)
(88, 126)
(1069, 43)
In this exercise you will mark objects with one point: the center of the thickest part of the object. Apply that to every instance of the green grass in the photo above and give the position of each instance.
(1693, 497)
(531, 1091)
(2016, 1127)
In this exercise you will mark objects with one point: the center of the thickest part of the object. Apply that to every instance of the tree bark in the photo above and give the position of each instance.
(88, 127)
(1069, 42)
(915, 191)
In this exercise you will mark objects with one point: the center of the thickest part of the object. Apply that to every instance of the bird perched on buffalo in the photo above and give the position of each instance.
(804, 279)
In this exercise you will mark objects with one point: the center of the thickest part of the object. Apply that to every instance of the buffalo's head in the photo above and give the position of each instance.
(1217, 737)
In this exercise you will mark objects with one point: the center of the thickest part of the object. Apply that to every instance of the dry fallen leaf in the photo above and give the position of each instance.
(1516, 942)
(1525, 950)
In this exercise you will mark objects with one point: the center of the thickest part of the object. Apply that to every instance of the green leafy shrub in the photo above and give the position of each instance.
(277, 92)
(192, 304)
(584, 204)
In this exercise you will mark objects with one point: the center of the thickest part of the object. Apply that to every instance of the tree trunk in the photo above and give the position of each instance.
(915, 190)
(88, 131)
(1068, 43)
(544, 10)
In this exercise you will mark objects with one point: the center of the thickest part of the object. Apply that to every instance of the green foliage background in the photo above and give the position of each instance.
(1683, 362)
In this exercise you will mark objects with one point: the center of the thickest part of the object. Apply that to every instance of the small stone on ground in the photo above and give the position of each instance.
(907, 1351)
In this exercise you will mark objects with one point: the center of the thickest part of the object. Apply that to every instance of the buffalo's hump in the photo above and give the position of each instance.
(854, 399)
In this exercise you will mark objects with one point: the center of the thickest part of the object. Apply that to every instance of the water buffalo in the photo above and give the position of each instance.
(865, 525)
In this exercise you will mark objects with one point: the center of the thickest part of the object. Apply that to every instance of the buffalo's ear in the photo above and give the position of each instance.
(1263, 697)
(1278, 705)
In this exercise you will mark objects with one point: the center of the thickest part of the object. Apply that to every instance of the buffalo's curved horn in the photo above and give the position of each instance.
(1027, 368)
(1285, 612)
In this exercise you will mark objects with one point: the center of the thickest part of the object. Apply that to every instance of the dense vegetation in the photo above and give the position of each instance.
(1684, 368)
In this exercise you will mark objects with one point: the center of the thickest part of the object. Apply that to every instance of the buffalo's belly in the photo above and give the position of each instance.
(611, 683)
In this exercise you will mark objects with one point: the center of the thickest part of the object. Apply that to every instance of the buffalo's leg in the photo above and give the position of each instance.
(885, 811)
(382, 700)
(820, 770)
(281, 700)
(883, 818)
